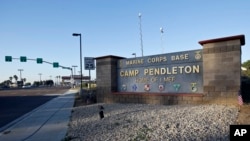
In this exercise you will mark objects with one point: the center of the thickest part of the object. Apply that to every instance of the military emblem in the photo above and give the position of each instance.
(197, 55)
(134, 87)
(124, 87)
(177, 87)
(147, 87)
(120, 63)
(193, 87)
(161, 88)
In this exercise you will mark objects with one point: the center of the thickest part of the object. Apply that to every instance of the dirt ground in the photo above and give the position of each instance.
(79, 102)
(243, 117)
(244, 114)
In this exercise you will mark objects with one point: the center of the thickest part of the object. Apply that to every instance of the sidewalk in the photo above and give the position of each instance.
(48, 122)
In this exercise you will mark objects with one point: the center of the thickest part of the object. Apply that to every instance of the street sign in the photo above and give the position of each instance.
(8, 59)
(39, 60)
(23, 58)
(55, 64)
(89, 63)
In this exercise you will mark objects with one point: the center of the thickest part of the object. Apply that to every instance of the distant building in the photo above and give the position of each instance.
(76, 79)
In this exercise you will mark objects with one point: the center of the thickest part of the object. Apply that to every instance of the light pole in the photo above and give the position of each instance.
(79, 34)
(161, 30)
(74, 69)
(134, 54)
(40, 76)
(20, 73)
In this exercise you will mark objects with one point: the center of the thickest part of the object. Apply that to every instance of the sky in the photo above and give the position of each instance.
(43, 29)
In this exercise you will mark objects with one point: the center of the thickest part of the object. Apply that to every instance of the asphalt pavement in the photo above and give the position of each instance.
(12, 107)
(49, 122)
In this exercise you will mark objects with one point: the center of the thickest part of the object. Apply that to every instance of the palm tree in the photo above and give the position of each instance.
(24, 80)
(59, 79)
(15, 77)
(11, 78)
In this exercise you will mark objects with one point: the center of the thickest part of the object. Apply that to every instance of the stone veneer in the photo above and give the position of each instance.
(106, 70)
(222, 69)
(221, 77)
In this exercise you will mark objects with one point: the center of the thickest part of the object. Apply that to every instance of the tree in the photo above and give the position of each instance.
(49, 83)
(247, 66)
(24, 80)
(7, 82)
(36, 83)
(15, 77)
(11, 78)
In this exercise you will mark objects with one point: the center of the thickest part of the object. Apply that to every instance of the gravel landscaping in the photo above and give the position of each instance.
(136, 122)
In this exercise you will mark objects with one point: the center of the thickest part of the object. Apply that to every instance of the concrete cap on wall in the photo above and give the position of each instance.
(110, 56)
(240, 37)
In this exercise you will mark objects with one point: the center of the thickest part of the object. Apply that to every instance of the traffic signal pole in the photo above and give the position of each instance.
(9, 59)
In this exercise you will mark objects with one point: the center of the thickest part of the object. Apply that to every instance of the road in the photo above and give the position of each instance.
(15, 103)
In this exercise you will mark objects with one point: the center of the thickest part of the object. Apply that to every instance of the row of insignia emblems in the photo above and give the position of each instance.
(161, 87)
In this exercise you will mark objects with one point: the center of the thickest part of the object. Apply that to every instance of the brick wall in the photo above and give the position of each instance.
(222, 69)
(106, 77)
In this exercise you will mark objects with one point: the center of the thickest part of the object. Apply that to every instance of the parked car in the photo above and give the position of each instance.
(27, 86)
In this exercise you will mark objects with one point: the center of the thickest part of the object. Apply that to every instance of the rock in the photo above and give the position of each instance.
(152, 122)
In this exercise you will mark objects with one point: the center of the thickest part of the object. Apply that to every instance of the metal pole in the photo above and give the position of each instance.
(81, 62)
(71, 72)
(79, 34)
(20, 73)
(40, 76)
(161, 30)
(71, 78)
(140, 33)
(134, 54)
(89, 79)
(74, 70)
(55, 81)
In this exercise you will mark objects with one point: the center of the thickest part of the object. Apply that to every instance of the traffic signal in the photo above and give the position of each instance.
(8, 58)
(23, 59)
(55, 64)
(39, 60)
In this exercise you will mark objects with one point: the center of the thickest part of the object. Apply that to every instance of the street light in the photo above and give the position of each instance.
(161, 30)
(134, 54)
(74, 69)
(20, 73)
(40, 76)
(79, 34)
